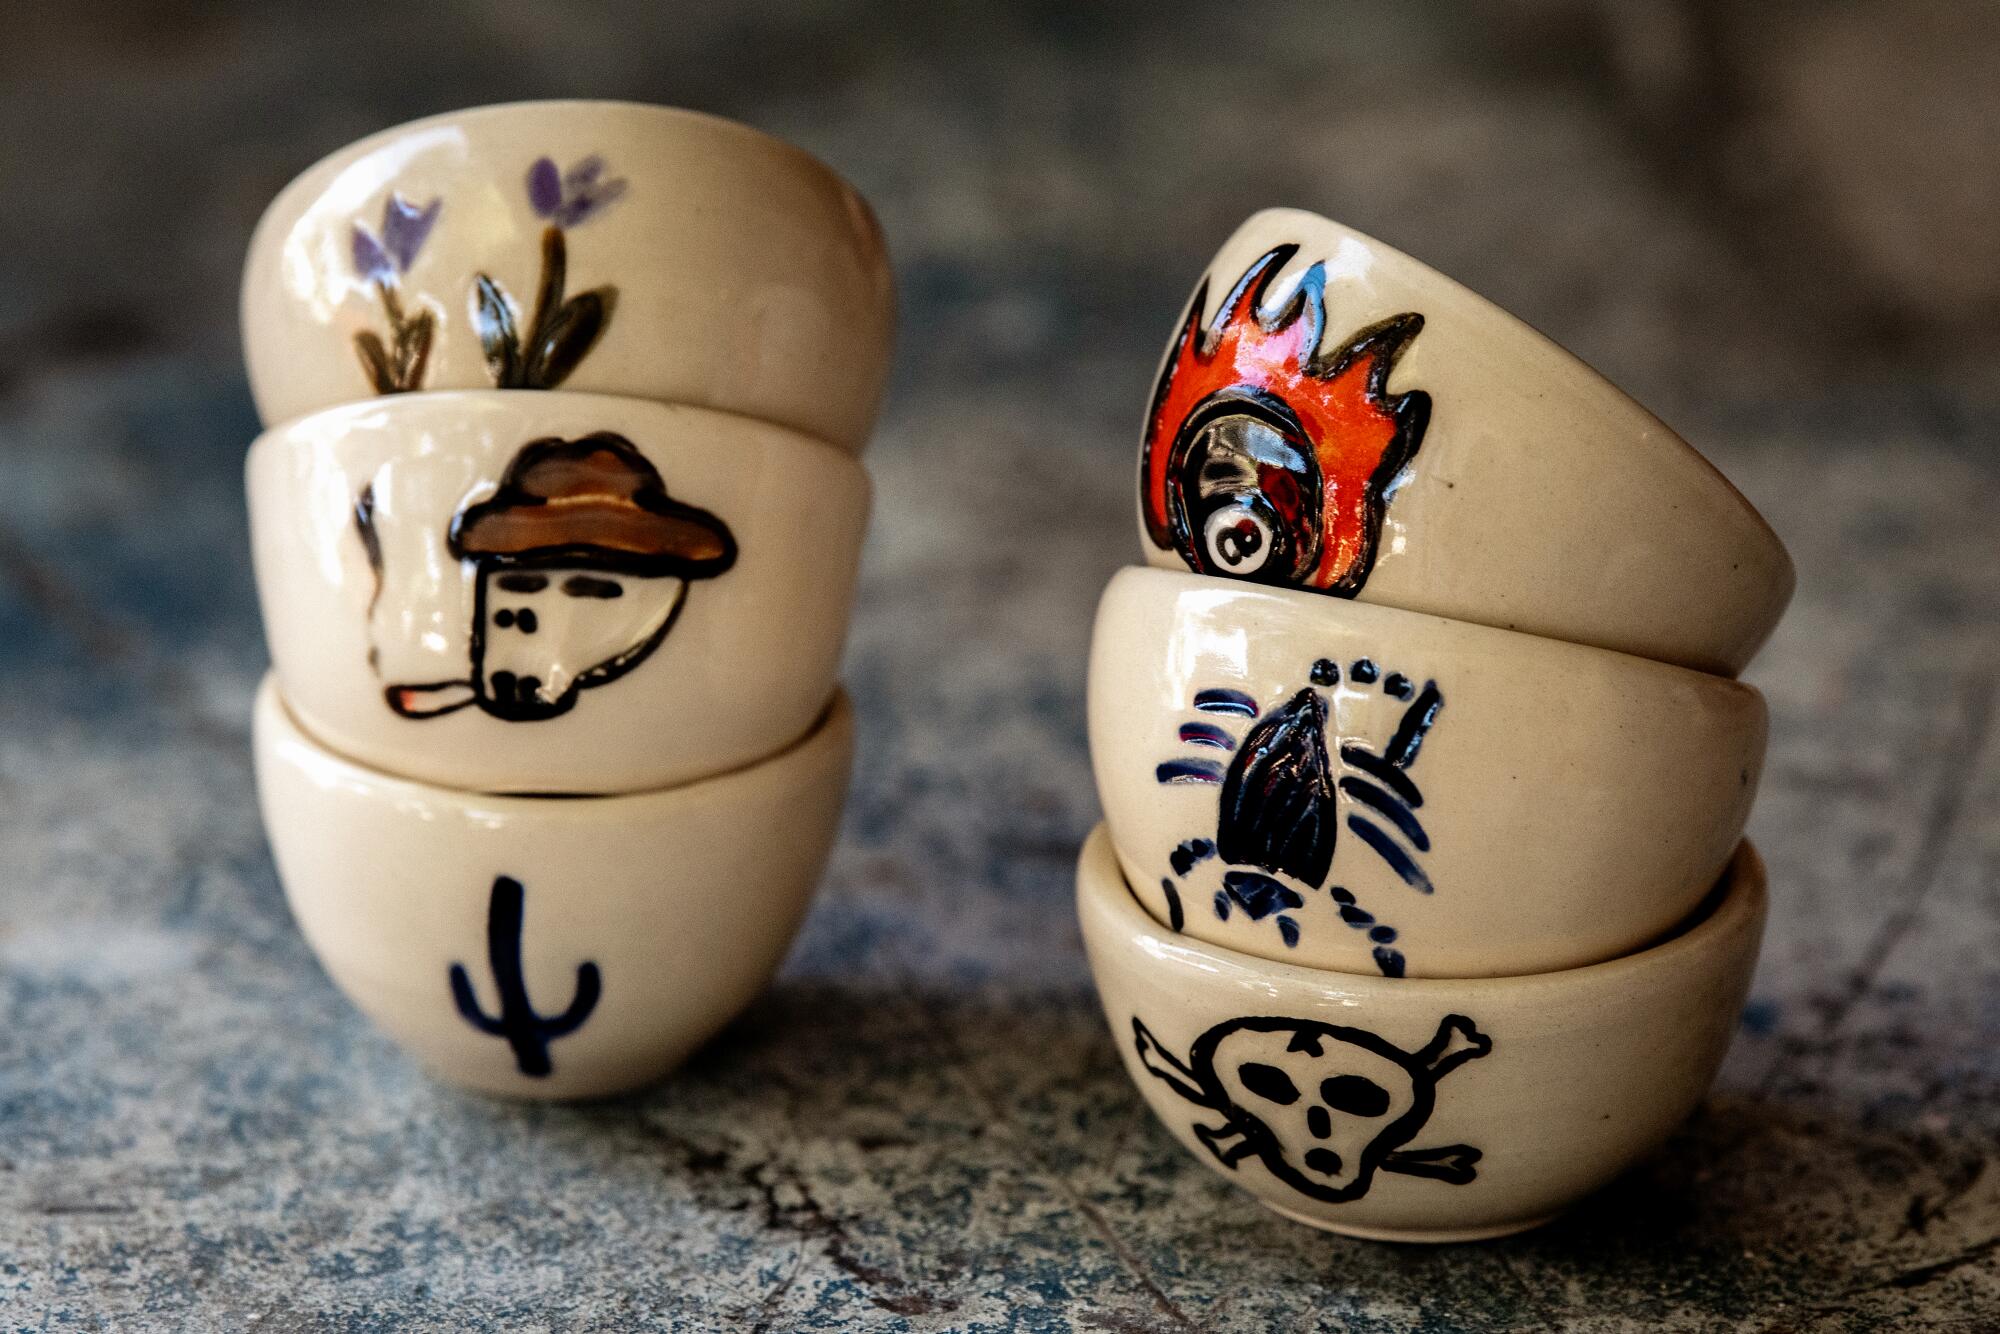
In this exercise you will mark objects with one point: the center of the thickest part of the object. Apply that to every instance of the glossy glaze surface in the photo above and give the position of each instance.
(177, 1056)
(604, 247)
(520, 592)
(548, 947)
(1339, 785)
(1416, 1109)
(1332, 414)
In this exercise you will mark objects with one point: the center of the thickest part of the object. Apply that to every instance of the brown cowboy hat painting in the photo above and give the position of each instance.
(594, 500)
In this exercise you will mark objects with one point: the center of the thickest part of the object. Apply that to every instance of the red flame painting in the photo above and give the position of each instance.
(1268, 457)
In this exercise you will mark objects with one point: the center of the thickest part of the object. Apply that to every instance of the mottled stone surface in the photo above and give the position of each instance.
(1774, 223)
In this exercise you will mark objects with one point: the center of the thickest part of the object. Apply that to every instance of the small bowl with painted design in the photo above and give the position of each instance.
(548, 947)
(1333, 415)
(519, 592)
(600, 247)
(1340, 785)
(1419, 1109)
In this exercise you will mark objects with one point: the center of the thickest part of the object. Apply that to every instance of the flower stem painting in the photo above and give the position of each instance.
(561, 330)
(381, 258)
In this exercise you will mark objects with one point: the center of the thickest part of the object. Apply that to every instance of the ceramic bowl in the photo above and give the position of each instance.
(1419, 1109)
(548, 947)
(520, 592)
(604, 247)
(1333, 415)
(1339, 785)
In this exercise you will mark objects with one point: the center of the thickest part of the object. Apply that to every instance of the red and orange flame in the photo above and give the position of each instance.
(1362, 435)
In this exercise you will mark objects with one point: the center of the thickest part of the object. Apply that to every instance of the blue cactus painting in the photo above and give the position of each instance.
(528, 1032)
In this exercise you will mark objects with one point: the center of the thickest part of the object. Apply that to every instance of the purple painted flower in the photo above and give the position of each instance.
(404, 230)
(369, 259)
(570, 198)
(405, 227)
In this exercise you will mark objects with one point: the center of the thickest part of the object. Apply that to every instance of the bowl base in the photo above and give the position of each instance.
(521, 1090)
(1420, 1236)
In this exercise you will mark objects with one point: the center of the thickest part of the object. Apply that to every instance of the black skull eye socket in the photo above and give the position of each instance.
(1355, 1095)
(1268, 1082)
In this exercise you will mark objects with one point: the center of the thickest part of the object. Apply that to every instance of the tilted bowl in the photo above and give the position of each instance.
(1332, 414)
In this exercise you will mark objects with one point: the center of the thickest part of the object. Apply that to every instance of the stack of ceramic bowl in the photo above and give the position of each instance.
(556, 526)
(1420, 908)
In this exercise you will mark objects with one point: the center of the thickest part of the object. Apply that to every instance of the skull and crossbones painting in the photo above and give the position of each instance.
(1323, 1106)
(1281, 804)
(1269, 454)
(581, 564)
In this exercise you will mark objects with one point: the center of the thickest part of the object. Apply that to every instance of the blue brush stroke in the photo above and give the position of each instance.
(1258, 894)
(1207, 734)
(1189, 771)
(1174, 915)
(1399, 860)
(1390, 809)
(1220, 700)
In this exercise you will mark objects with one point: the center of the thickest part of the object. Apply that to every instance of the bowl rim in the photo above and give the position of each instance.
(1307, 603)
(1736, 907)
(668, 118)
(288, 740)
(530, 402)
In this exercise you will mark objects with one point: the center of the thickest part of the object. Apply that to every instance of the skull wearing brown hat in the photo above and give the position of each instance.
(583, 564)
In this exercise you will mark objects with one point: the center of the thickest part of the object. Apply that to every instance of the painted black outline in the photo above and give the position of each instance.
(514, 710)
(1293, 553)
(1171, 528)
(652, 498)
(1242, 1134)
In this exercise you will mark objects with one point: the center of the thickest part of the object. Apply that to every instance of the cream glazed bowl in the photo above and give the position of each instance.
(548, 947)
(1333, 415)
(605, 247)
(520, 592)
(1339, 785)
(1419, 1109)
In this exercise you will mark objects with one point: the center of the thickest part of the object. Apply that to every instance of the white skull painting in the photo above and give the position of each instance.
(580, 564)
(1323, 1106)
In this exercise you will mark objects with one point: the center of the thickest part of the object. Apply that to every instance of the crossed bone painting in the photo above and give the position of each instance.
(581, 564)
(1324, 1107)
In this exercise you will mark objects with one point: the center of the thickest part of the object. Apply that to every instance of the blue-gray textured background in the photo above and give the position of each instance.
(1778, 225)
